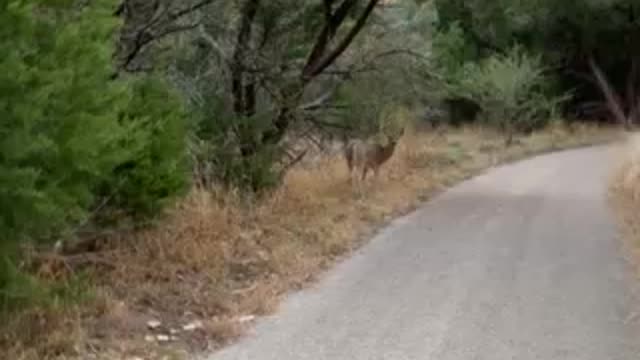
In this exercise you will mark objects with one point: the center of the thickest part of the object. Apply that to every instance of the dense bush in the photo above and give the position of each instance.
(72, 139)
(61, 135)
(511, 90)
(156, 166)
(588, 46)
(451, 54)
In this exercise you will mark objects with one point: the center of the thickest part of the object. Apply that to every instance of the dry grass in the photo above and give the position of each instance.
(216, 257)
(625, 196)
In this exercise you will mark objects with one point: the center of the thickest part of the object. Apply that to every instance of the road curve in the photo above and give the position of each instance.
(519, 263)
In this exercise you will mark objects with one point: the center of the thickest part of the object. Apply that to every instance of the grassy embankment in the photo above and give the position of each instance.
(625, 196)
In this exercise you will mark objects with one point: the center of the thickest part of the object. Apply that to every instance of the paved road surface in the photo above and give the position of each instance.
(520, 263)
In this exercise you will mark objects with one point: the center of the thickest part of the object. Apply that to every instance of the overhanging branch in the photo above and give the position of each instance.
(318, 63)
(161, 24)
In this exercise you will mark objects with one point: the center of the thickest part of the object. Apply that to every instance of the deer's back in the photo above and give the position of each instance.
(365, 153)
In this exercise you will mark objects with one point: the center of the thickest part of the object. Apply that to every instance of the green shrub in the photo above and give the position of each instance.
(254, 173)
(156, 169)
(60, 132)
(72, 139)
(217, 157)
(20, 289)
(512, 91)
(451, 51)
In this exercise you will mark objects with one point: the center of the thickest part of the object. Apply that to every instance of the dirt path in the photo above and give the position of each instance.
(520, 263)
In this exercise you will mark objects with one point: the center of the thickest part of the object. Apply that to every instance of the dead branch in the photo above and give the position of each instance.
(318, 102)
(609, 93)
(293, 162)
(318, 60)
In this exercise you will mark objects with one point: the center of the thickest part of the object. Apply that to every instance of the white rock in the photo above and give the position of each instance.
(149, 338)
(162, 338)
(154, 324)
(246, 318)
(173, 331)
(193, 326)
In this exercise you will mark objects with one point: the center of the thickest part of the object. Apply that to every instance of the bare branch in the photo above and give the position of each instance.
(190, 9)
(143, 42)
(160, 25)
(318, 65)
(293, 162)
(609, 93)
(332, 23)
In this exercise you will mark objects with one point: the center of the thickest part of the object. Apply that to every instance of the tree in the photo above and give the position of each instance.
(260, 71)
(249, 36)
(60, 129)
(148, 22)
(74, 143)
(588, 43)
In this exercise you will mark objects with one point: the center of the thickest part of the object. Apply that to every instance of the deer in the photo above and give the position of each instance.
(366, 155)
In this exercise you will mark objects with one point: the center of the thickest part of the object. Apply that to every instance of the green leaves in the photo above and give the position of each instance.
(65, 127)
(510, 89)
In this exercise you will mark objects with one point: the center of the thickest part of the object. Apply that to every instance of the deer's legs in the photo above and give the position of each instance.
(375, 174)
(354, 179)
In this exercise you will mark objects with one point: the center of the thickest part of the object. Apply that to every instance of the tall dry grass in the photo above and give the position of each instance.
(625, 195)
(627, 176)
(217, 257)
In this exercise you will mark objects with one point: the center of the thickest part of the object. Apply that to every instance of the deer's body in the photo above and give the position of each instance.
(367, 155)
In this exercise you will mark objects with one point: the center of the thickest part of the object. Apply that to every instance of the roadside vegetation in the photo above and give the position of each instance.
(170, 169)
(625, 196)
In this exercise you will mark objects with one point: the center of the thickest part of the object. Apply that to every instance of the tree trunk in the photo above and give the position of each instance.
(320, 58)
(238, 65)
(243, 90)
(611, 97)
(632, 95)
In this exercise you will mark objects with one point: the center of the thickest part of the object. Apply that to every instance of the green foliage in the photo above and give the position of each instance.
(235, 141)
(60, 132)
(19, 289)
(72, 139)
(452, 51)
(253, 173)
(216, 149)
(391, 71)
(156, 168)
(511, 90)
(370, 104)
(563, 33)
(217, 163)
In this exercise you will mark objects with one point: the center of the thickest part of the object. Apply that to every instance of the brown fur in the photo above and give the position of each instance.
(368, 155)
